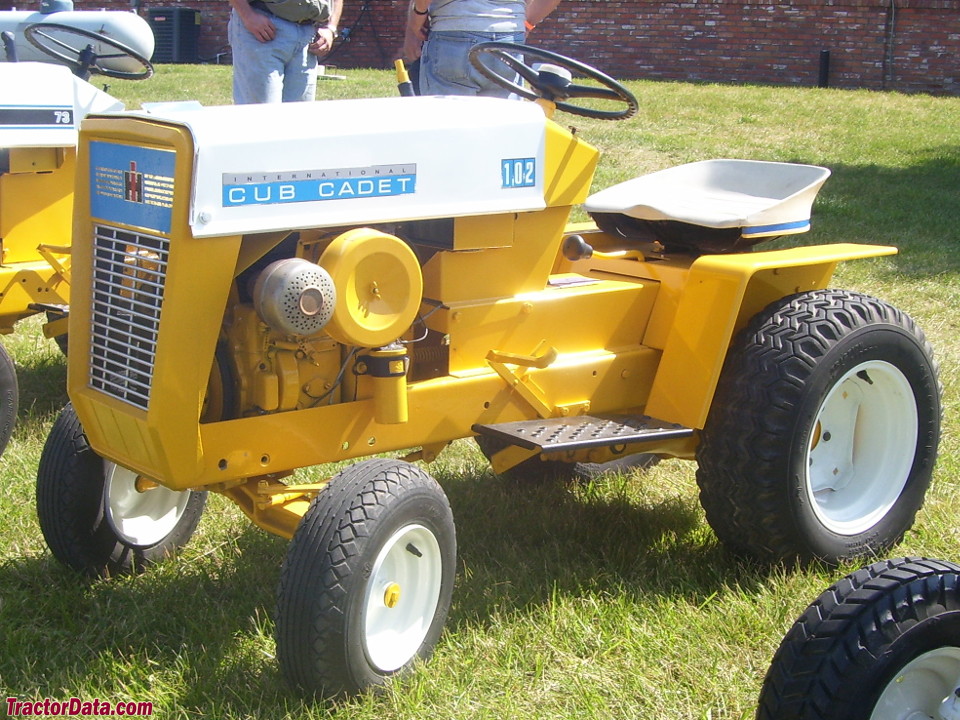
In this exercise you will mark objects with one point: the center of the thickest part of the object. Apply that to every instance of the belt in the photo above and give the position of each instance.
(260, 5)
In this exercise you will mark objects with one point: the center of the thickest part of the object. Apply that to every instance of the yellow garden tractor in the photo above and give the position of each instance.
(41, 106)
(386, 276)
(40, 110)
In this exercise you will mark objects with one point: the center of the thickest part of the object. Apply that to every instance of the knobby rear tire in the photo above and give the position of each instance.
(883, 642)
(823, 433)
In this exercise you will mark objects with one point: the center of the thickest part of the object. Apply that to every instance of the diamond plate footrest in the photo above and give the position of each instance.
(583, 431)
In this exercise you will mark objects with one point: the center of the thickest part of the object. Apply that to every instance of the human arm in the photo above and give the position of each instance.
(257, 24)
(416, 30)
(538, 10)
(326, 34)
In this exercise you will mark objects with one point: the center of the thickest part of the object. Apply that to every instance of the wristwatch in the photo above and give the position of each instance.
(333, 30)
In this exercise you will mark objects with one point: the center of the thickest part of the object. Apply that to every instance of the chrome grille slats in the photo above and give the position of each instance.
(129, 272)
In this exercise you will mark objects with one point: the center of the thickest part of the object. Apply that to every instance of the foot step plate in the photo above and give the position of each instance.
(583, 431)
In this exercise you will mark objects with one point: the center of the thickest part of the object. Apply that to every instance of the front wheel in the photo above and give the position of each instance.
(367, 581)
(366, 584)
(9, 398)
(883, 643)
(102, 519)
(823, 432)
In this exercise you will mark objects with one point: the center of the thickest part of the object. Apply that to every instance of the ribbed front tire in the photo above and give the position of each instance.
(9, 398)
(101, 519)
(366, 585)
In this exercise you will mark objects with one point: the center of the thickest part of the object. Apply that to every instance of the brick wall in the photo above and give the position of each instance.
(906, 45)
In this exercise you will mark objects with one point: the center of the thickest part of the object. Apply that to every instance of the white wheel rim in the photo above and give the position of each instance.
(410, 564)
(920, 687)
(140, 518)
(862, 447)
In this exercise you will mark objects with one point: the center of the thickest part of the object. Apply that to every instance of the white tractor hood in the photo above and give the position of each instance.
(260, 168)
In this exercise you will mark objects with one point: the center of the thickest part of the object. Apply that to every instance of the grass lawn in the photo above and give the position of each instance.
(604, 600)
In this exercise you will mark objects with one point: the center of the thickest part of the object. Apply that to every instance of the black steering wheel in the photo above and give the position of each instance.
(554, 81)
(85, 61)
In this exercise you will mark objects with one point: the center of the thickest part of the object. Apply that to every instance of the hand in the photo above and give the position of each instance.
(259, 25)
(413, 39)
(322, 42)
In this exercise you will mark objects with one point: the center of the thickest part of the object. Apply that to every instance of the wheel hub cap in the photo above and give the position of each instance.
(862, 447)
(391, 596)
(395, 624)
(922, 688)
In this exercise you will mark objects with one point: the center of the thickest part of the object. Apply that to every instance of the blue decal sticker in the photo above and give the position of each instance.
(299, 186)
(519, 172)
(132, 185)
(787, 227)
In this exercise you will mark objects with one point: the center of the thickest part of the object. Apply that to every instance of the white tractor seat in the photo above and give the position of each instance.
(758, 198)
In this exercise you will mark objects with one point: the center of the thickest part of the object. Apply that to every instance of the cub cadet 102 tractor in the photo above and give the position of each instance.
(41, 106)
(259, 289)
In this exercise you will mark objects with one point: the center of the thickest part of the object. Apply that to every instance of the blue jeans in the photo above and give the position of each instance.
(277, 71)
(445, 68)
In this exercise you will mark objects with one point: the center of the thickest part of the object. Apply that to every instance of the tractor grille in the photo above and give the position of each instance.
(128, 278)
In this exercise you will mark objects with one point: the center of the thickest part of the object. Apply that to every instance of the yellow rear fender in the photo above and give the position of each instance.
(720, 295)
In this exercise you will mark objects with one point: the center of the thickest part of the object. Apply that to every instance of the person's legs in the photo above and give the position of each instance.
(444, 66)
(486, 86)
(257, 74)
(300, 71)
(275, 71)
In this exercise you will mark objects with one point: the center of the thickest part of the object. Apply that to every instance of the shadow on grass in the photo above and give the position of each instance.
(914, 208)
(43, 385)
(519, 544)
(204, 622)
(196, 617)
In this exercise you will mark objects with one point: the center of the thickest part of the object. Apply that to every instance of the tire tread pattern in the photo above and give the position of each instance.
(821, 671)
(9, 397)
(741, 470)
(70, 509)
(63, 500)
(321, 566)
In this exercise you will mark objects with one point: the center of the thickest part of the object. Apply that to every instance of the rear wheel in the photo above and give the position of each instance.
(9, 398)
(367, 581)
(101, 519)
(823, 432)
(881, 644)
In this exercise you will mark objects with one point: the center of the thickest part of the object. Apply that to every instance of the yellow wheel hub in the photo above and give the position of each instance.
(391, 596)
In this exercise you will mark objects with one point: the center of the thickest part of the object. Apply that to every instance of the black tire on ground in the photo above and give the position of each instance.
(220, 400)
(94, 518)
(537, 470)
(883, 642)
(9, 398)
(366, 584)
(823, 432)
(62, 340)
